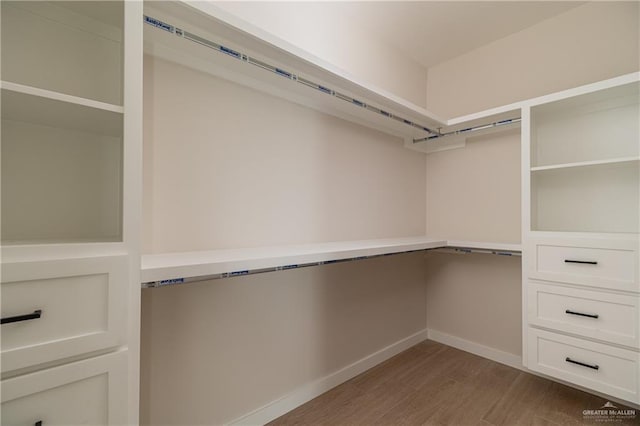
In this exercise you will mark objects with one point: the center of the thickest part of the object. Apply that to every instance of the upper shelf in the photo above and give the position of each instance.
(203, 37)
(176, 268)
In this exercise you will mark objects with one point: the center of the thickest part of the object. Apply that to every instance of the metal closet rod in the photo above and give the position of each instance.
(470, 129)
(186, 280)
(433, 134)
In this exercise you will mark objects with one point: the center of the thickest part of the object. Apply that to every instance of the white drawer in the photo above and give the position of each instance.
(596, 366)
(89, 392)
(600, 263)
(605, 316)
(81, 308)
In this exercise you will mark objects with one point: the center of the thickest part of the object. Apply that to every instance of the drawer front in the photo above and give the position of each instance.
(61, 308)
(91, 392)
(610, 317)
(596, 366)
(582, 262)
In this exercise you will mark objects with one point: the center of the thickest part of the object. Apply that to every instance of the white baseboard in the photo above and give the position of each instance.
(496, 355)
(281, 406)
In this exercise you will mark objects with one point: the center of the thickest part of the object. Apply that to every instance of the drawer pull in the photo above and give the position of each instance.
(38, 423)
(35, 315)
(594, 366)
(581, 314)
(583, 262)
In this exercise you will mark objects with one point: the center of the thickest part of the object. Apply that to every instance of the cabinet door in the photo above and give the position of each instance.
(89, 392)
(61, 308)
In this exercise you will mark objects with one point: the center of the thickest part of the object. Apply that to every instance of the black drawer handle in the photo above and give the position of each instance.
(594, 366)
(35, 315)
(584, 262)
(582, 314)
(38, 423)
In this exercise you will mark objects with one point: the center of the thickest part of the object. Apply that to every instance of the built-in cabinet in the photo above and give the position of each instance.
(581, 286)
(71, 107)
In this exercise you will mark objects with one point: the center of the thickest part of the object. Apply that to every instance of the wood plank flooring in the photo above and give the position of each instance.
(434, 384)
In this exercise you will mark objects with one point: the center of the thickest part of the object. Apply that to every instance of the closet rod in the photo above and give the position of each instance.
(470, 129)
(282, 73)
(468, 250)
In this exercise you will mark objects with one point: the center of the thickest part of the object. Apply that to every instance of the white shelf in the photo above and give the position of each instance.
(44, 107)
(56, 96)
(177, 268)
(214, 27)
(174, 267)
(586, 163)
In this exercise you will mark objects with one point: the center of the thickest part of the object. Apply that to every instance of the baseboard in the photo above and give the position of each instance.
(281, 406)
(496, 355)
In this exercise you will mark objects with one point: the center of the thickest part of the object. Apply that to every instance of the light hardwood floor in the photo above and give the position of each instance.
(434, 384)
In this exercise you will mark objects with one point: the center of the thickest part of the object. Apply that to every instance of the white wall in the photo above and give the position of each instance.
(326, 31)
(476, 297)
(214, 351)
(592, 42)
(226, 166)
(474, 193)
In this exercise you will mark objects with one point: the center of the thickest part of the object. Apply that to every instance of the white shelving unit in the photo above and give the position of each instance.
(71, 136)
(71, 193)
(581, 219)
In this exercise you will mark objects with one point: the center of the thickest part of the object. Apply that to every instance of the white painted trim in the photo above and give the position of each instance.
(305, 393)
(496, 355)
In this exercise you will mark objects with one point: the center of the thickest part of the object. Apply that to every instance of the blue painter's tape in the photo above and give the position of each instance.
(230, 52)
(289, 267)
(158, 24)
(283, 73)
(357, 102)
(324, 89)
(236, 273)
(171, 281)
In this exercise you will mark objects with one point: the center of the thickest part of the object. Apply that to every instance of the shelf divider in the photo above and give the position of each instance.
(62, 97)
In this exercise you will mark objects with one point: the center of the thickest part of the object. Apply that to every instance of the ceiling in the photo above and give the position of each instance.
(431, 32)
